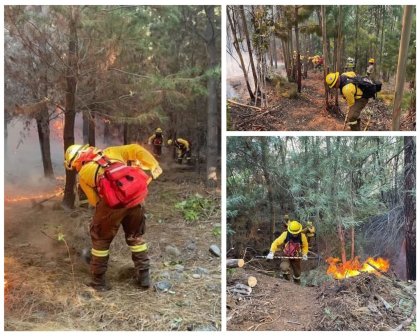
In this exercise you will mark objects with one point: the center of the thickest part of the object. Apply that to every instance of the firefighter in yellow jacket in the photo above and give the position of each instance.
(309, 231)
(352, 94)
(183, 149)
(295, 245)
(156, 140)
(106, 220)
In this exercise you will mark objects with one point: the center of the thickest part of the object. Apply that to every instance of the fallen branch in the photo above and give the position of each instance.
(234, 263)
(232, 102)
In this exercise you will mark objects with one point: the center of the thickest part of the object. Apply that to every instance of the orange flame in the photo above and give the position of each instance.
(353, 267)
(57, 192)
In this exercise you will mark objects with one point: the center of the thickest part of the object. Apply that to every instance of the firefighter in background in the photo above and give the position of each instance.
(309, 231)
(157, 141)
(183, 149)
(371, 68)
(106, 220)
(349, 64)
(295, 244)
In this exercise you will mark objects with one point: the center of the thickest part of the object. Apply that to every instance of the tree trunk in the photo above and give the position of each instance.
(379, 69)
(92, 131)
(125, 133)
(402, 62)
(410, 205)
(43, 126)
(356, 41)
(352, 242)
(85, 127)
(325, 52)
(341, 236)
(236, 45)
(299, 70)
(248, 43)
(211, 102)
(70, 102)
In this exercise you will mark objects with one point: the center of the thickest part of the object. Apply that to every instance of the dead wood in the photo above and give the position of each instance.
(234, 263)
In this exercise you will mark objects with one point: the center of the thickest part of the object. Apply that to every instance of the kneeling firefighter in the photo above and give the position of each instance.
(117, 192)
(295, 244)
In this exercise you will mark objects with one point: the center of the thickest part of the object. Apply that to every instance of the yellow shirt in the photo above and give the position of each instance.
(350, 91)
(143, 158)
(281, 239)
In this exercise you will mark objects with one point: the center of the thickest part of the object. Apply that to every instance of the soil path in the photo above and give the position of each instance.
(274, 304)
(45, 283)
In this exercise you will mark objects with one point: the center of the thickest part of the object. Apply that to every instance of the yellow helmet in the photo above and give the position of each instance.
(286, 216)
(72, 154)
(372, 60)
(294, 227)
(170, 142)
(332, 78)
(158, 130)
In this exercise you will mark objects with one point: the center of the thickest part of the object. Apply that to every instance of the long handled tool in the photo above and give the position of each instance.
(282, 257)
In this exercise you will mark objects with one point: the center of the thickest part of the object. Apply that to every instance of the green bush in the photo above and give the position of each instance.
(196, 207)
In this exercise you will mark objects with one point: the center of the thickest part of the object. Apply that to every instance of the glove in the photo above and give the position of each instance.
(156, 172)
(305, 257)
(270, 256)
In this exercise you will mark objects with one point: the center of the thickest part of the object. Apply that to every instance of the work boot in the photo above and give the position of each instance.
(143, 279)
(286, 277)
(296, 281)
(98, 267)
(355, 125)
(99, 284)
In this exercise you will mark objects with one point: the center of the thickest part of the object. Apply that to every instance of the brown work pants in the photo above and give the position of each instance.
(353, 118)
(293, 264)
(104, 227)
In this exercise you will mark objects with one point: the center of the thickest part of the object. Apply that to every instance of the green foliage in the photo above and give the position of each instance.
(196, 207)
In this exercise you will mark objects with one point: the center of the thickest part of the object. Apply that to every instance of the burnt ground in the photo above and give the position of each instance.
(290, 111)
(45, 278)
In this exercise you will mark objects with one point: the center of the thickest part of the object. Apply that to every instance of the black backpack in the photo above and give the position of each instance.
(368, 87)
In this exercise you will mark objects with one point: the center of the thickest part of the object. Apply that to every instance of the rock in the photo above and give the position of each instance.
(172, 250)
(201, 271)
(179, 268)
(215, 250)
(191, 246)
(162, 286)
(204, 327)
(196, 276)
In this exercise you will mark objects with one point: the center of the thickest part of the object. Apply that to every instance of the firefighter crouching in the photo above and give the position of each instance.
(295, 244)
(309, 232)
(183, 149)
(96, 169)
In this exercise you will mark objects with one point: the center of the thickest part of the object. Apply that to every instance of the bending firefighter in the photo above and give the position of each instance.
(295, 244)
(183, 149)
(117, 192)
(156, 140)
(356, 90)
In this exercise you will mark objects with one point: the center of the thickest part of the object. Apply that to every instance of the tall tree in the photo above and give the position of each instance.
(410, 205)
(402, 63)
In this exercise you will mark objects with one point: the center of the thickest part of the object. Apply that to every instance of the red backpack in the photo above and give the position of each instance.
(120, 186)
(292, 245)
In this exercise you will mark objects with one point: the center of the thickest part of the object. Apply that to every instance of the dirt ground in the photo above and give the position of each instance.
(45, 278)
(306, 111)
(274, 304)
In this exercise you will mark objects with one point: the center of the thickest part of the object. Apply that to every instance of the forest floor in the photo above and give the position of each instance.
(45, 282)
(365, 302)
(289, 111)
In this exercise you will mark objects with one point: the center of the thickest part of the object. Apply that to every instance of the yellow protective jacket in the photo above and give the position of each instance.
(309, 231)
(350, 91)
(281, 239)
(136, 153)
(183, 142)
